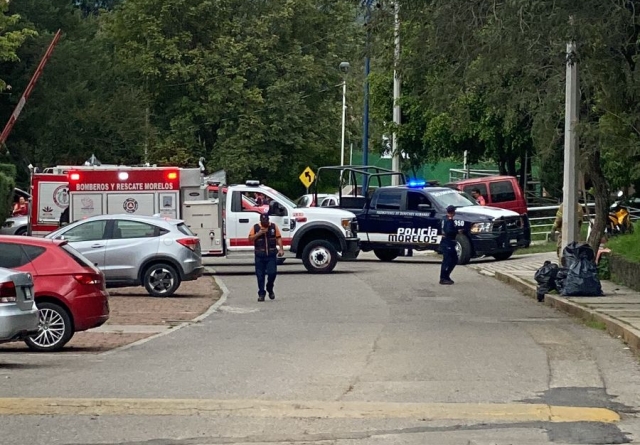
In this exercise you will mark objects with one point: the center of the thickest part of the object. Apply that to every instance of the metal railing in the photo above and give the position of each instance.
(458, 174)
(542, 218)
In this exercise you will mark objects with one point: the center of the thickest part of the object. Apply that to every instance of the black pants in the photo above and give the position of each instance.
(449, 260)
(266, 265)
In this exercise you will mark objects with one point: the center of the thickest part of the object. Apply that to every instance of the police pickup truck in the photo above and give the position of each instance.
(410, 216)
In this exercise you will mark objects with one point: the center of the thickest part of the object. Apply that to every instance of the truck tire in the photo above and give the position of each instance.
(319, 256)
(463, 249)
(386, 254)
(503, 256)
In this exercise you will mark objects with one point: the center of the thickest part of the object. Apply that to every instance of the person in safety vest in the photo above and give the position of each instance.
(267, 240)
(448, 246)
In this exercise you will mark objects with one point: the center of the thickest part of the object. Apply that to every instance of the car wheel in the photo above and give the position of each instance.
(503, 256)
(22, 231)
(54, 329)
(386, 254)
(463, 249)
(319, 256)
(161, 280)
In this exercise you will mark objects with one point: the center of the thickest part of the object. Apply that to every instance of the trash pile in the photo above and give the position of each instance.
(578, 276)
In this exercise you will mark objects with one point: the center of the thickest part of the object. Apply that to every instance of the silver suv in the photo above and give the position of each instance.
(155, 252)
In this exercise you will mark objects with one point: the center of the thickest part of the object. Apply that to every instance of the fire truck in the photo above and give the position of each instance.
(318, 236)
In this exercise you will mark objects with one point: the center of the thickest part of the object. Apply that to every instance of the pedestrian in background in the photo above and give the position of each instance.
(478, 197)
(448, 246)
(267, 242)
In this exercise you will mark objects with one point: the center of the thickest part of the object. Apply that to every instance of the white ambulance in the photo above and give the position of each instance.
(318, 236)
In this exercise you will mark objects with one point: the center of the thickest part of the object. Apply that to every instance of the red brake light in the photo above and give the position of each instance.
(189, 243)
(8, 292)
(74, 176)
(88, 278)
(172, 176)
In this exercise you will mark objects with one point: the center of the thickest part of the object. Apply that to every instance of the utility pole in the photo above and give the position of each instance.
(344, 67)
(367, 70)
(395, 160)
(570, 188)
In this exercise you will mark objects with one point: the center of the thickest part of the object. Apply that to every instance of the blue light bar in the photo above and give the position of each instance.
(417, 183)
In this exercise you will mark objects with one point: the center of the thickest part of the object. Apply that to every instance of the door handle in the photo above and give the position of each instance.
(97, 246)
(243, 220)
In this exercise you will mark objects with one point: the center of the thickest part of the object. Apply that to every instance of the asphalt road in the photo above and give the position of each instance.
(372, 354)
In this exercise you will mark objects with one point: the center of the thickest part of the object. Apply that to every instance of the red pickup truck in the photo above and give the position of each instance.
(498, 191)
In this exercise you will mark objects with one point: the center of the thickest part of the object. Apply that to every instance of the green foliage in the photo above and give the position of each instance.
(244, 84)
(7, 174)
(12, 36)
(627, 246)
(604, 270)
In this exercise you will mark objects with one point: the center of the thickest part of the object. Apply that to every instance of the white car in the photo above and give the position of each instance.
(308, 200)
(16, 225)
(18, 312)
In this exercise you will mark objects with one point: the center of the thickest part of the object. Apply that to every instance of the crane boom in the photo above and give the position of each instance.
(28, 90)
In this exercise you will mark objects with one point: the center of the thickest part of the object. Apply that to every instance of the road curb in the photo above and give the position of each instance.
(614, 327)
(213, 308)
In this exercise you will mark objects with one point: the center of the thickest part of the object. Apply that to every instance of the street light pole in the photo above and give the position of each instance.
(344, 118)
(344, 67)
(395, 160)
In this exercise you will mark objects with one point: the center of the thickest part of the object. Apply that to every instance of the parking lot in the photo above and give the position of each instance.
(136, 316)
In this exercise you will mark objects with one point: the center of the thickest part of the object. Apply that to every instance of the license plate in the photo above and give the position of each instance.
(28, 295)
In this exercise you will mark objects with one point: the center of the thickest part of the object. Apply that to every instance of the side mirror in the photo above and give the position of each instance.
(424, 207)
(276, 209)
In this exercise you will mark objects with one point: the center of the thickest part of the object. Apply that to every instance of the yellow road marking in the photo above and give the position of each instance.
(511, 412)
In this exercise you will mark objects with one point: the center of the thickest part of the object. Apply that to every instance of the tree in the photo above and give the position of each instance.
(11, 37)
(84, 103)
(7, 175)
(242, 83)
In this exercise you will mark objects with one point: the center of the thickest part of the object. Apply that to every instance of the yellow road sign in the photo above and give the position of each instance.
(307, 177)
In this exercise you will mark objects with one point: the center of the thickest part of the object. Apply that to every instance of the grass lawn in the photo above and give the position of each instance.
(627, 246)
(537, 248)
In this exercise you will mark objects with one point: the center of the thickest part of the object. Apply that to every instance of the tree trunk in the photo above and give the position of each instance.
(601, 194)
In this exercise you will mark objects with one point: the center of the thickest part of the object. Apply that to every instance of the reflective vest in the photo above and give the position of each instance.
(266, 244)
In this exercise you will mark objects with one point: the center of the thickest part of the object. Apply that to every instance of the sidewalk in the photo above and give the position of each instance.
(618, 310)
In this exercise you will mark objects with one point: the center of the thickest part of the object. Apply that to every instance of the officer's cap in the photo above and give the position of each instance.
(451, 209)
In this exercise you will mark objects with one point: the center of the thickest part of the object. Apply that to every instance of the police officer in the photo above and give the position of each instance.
(268, 246)
(448, 246)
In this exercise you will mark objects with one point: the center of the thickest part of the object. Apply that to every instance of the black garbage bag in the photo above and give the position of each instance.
(546, 279)
(574, 251)
(582, 280)
(561, 276)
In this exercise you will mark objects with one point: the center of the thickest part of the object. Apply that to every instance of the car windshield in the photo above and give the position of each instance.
(451, 198)
(281, 198)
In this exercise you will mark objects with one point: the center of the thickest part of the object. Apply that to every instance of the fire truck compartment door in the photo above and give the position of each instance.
(53, 198)
(131, 203)
(202, 218)
(85, 205)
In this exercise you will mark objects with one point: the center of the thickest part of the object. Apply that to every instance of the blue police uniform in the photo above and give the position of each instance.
(448, 249)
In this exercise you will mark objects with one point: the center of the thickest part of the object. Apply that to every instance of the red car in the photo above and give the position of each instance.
(70, 292)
